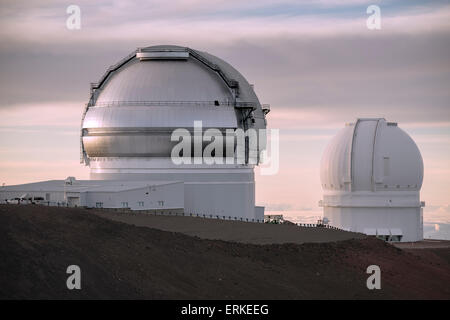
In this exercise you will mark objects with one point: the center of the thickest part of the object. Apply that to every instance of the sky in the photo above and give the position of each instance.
(315, 62)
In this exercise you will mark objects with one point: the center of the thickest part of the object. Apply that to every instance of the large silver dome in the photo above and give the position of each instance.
(137, 104)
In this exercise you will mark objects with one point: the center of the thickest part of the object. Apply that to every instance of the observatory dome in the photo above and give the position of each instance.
(139, 101)
(372, 155)
(371, 174)
(132, 124)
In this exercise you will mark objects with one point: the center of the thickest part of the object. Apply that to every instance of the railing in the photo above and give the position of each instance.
(315, 225)
(176, 103)
(176, 212)
(169, 212)
(162, 103)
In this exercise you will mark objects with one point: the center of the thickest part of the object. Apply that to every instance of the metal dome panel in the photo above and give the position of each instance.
(372, 155)
(163, 80)
(335, 163)
(182, 116)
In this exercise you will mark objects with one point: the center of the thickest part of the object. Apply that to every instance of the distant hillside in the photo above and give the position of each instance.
(231, 230)
(119, 260)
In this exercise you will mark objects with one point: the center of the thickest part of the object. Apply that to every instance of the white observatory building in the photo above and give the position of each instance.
(371, 175)
(126, 137)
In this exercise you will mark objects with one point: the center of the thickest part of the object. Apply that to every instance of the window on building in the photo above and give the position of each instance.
(124, 204)
(140, 203)
(99, 204)
(161, 203)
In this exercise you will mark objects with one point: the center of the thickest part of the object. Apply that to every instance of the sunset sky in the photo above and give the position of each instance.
(315, 62)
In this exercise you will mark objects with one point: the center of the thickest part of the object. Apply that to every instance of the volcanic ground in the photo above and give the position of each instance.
(137, 256)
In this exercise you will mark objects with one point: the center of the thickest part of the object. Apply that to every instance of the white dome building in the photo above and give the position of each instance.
(139, 102)
(371, 175)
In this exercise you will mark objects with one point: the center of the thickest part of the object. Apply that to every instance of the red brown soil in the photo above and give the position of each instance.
(119, 260)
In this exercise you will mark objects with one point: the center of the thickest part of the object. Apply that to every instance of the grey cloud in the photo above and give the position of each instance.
(400, 76)
(393, 74)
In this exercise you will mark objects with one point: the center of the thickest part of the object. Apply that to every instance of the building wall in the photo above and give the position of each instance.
(221, 199)
(170, 196)
(52, 196)
(409, 220)
(210, 190)
(259, 213)
(166, 196)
